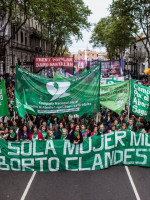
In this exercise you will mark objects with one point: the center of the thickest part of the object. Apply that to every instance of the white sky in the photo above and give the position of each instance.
(99, 9)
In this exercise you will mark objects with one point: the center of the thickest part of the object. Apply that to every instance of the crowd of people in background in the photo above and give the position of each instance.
(71, 127)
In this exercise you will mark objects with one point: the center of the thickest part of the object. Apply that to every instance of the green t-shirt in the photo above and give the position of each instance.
(44, 134)
(35, 136)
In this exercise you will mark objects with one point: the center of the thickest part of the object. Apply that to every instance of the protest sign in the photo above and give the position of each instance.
(77, 95)
(3, 99)
(97, 152)
(139, 99)
(115, 96)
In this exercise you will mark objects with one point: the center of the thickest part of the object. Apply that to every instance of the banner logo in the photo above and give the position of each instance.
(58, 89)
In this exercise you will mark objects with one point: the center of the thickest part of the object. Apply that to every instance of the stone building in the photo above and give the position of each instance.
(89, 55)
(24, 46)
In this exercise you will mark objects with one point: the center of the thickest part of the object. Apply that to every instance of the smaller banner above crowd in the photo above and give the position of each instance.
(61, 63)
(77, 95)
(95, 153)
(108, 68)
(54, 62)
(140, 97)
(115, 96)
(3, 99)
(79, 65)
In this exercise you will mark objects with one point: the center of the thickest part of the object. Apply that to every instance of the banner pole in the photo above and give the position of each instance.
(14, 115)
(28, 116)
(129, 97)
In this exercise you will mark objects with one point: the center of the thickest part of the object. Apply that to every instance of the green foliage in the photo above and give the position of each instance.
(113, 33)
(63, 18)
(60, 20)
(139, 12)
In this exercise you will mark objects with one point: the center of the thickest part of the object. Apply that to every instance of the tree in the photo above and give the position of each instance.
(139, 12)
(13, 15)
(113, 34)
(63, 19)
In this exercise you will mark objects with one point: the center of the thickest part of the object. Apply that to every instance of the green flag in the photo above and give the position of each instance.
(139, 99)
(77, 95)
(3, 99)
(19, 106)
(28, 108)
(56, 75)
(115, 96)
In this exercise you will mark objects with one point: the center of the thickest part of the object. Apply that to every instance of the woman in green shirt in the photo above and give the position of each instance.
(43, 131)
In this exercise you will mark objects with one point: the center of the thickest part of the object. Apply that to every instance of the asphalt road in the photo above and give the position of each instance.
(107, 184)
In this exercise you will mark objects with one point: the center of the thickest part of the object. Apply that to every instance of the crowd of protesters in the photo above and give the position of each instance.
(71, 127)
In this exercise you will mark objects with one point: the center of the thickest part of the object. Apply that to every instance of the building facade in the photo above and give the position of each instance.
(26, 44)
(136, 56)
(89, 55)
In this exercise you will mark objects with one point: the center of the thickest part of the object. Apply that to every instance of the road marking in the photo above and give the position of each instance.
(28, 186)
(132, 183)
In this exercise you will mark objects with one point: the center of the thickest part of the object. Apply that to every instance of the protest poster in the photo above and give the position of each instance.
(95, 153)
(139, 99)
(115, 96)
(3, 99)
(77, 95)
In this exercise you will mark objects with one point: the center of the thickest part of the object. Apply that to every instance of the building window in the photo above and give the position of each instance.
(21, 37)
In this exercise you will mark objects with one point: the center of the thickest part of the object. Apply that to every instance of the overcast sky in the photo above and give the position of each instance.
(99, 9)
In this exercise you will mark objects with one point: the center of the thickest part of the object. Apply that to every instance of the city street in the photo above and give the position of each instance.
(110, 184)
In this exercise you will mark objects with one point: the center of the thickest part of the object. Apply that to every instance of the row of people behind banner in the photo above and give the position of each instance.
(68, 127)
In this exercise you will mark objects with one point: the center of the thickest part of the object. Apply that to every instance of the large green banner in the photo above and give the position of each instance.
(46, 96)
(3, 99)
(98, 152)
(115, 96)
(139, 99)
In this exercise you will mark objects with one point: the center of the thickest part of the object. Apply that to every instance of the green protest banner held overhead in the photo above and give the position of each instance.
(19, 107)
(97, 152)
(70, 95)
(140, 100)
(115, 96)
(3, 99)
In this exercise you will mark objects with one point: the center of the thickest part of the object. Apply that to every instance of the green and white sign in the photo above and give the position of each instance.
(98, 152)
(3, 99)
(139, 99)
(115, 96)
(46, 96)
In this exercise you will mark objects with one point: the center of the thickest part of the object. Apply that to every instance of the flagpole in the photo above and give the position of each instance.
(14, 115)
(28, 116)
(129, 97)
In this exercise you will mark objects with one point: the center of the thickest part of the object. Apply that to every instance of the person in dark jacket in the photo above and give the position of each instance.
(76, 135)
(24, 133)
(12, 135)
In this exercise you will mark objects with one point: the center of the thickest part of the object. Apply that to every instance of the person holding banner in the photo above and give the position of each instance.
(123, 127)
(50, 135)
(76, 135)
(84, 131)
(35, 134)
(23, 133)
(43, 131)
(101, 129)
(131, 126)
(4, 134)
(94, 131)
(12, 135)
(64, 135)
